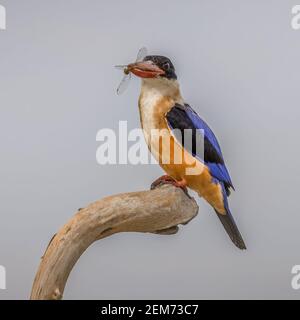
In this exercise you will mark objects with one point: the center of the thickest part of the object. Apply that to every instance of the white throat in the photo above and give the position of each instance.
(152, 93)
(155, 89)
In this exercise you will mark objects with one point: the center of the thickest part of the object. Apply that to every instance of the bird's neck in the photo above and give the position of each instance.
(157, 97)
(159, 88)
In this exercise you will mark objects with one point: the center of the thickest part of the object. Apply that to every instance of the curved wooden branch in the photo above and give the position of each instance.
(157, 211)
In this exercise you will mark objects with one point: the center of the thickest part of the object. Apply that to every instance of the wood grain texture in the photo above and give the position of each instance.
(156, 211)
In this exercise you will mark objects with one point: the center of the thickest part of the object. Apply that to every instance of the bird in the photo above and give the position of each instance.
(162, 107)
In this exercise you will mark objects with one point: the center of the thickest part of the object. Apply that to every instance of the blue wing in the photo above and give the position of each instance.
(184, 117)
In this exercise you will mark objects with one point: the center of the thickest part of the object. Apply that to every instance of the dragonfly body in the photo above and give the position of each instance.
(127, 70)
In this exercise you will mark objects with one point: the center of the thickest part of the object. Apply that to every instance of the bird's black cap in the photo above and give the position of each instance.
(165, 64)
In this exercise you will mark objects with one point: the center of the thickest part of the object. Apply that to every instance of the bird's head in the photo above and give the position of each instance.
(153, 67)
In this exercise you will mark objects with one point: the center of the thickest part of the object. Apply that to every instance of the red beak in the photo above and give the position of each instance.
(145, 69)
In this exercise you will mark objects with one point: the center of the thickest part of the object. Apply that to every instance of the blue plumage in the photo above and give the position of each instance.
(201, 124)
(183, 117)
(217, 169)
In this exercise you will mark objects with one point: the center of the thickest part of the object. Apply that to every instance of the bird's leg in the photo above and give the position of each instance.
(169, 180)
(179, 184)
(162, 180)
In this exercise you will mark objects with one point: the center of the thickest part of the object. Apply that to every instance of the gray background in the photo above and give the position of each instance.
(238, 65)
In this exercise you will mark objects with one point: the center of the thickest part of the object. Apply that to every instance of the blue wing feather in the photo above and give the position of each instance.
(201, 124)
(184, 117)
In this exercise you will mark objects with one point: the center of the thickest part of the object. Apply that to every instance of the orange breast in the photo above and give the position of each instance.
(174, 159)
(195, 173)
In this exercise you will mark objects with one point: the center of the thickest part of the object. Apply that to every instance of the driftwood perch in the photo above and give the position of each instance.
(157, 211)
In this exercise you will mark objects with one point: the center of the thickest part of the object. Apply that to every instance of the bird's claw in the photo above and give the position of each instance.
(162, 180)
(169, 180)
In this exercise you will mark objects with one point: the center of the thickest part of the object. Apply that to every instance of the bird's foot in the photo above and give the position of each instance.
(169, 180)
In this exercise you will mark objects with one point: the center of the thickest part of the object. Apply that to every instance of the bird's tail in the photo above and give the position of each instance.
(231, 229)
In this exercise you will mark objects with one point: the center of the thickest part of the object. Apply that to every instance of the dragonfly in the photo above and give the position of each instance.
(127, 74)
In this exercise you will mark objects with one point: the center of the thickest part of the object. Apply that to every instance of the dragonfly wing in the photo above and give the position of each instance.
(124, 84)
(120, 67)
(143, 52)
(126, 79)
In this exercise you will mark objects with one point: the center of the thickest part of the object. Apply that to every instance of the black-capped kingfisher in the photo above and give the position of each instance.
(162, 107)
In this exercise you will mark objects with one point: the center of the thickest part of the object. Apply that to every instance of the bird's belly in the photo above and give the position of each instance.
(180, 164)
(171, 156)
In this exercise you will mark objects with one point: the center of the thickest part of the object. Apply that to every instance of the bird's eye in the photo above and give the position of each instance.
(166, 65)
